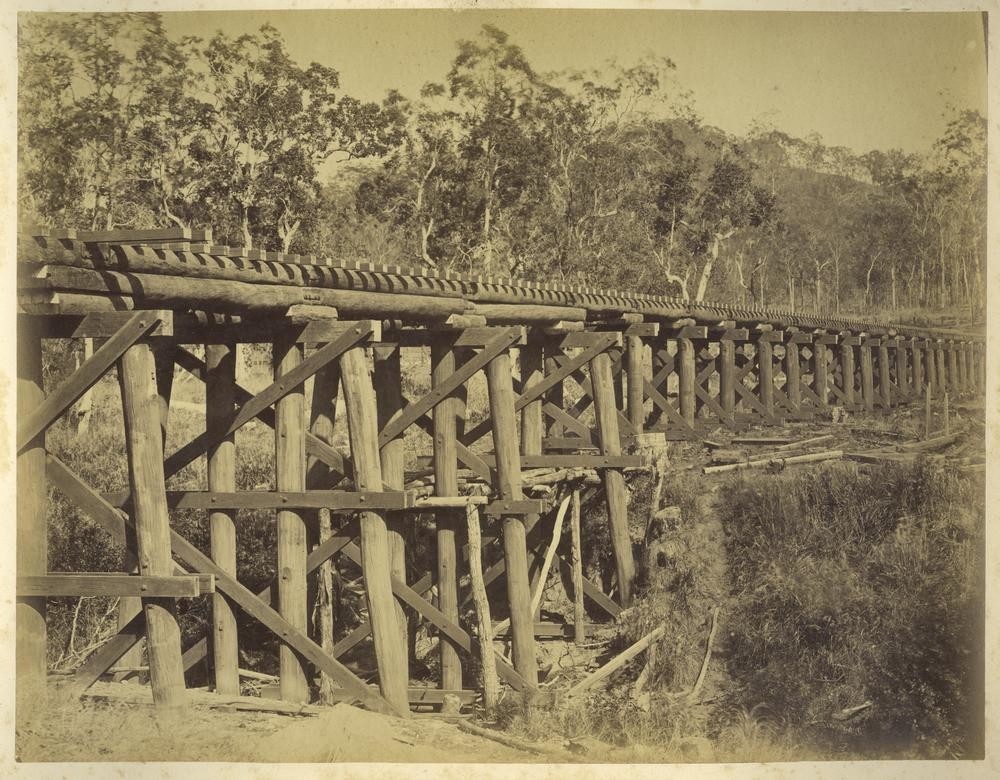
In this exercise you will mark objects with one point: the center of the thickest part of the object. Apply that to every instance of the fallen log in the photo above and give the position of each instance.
(815, 457)
(708, 657)
(511, 742)
(763, 440)
(602, 674)
(792, 445)
(930, 444)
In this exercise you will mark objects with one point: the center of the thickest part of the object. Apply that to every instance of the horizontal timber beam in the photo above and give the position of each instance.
(335, 500)
(114, 584)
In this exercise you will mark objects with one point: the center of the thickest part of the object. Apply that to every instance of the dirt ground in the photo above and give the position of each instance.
(122, 732)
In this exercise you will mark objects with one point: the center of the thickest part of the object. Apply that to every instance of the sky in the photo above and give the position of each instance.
(861, 80)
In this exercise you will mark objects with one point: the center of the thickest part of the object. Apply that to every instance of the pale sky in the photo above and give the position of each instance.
(862, 80)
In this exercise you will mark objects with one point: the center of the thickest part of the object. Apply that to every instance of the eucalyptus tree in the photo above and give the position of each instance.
(267, 124)
(99, 104)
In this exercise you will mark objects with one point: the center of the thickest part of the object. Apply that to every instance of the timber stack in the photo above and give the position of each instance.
(642, 368)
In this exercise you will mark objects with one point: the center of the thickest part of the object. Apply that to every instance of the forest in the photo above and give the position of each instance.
(606, 178)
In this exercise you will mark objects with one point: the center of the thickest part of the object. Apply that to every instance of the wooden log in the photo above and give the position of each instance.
(933, 443)
(220, 378)
(520, 314)
(867, 380)
(390, 643)
(954, 379)
(138, 695)
(614, 480)
(810, 442)
(902, 370)
(576, 538)
(508, 468)
(942, 369)
(144, 447)
(765, 375)
(814, 457)
(202, 263)
(634, 373)
(290, 474)
(820, 376)
(884, 383)
(927, 411)
(686, 373)
(322, 417)
(234, 296)
(32, 533)
(963, 367)
(930, 366)
(945, 421)
(128, 606)
(917, 361)
(446, 417)
(491, 685)
(538, 591)
(389, 404)
(847, 372)
(601, 675)
(793, 376)
(517, 744)
(728, 456)
(554, 395)
(727, 369)
(532, 373)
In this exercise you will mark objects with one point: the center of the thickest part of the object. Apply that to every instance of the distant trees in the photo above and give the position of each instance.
(121, 126)
(605, 177)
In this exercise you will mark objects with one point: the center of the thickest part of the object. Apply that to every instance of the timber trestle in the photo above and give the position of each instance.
(576, 380)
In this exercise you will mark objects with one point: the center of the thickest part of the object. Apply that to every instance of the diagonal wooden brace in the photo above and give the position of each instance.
(414, 411)
(567, 366)
(113, 521)
(268, 396)
(339, 464)
(85, 377)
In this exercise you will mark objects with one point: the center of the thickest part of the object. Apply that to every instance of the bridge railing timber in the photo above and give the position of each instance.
(601, 374)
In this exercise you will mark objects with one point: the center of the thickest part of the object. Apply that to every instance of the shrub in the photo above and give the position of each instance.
(860, 588)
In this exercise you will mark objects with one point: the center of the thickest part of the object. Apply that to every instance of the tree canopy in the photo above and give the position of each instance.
(605, 178)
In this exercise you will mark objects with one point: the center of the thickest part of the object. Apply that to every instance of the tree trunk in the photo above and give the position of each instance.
(836, 282)
(487, 221)
(892, 278)
(706, 271)
(286, 232)
(245, 226)
(922, 289)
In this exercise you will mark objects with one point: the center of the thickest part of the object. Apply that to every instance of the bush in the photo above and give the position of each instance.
(860, 588)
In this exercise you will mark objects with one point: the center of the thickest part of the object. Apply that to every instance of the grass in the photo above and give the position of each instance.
(838, 589)
(854, 588)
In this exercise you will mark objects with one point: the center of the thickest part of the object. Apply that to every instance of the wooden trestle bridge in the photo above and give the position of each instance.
(641, 364)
